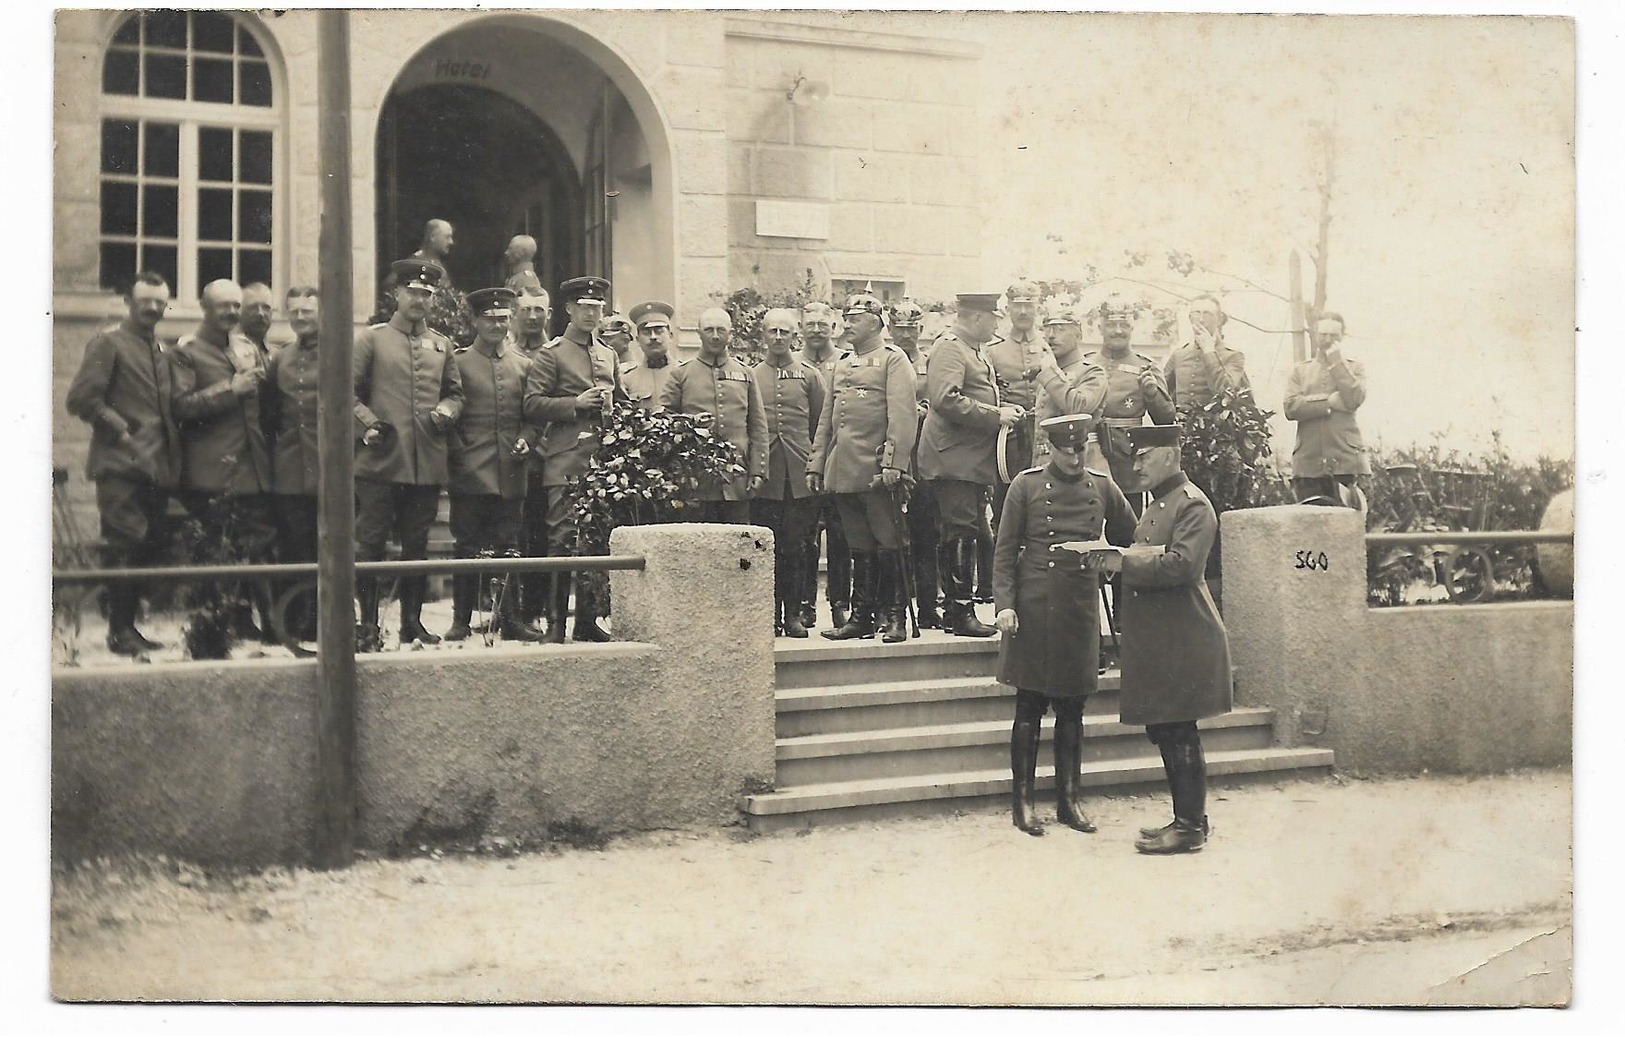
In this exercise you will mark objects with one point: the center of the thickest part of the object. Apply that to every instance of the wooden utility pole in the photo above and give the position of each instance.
(1294, 277)
(335, 551)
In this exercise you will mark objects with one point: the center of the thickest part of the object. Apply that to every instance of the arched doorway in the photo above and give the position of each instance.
(487, 164)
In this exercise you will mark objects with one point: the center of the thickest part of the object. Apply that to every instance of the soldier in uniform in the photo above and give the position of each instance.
(487, 457)
(571, 380)
(1134, 389)
(1017, 359)
(1048, 600)
(616, 333)
(716, 383)
(256, 320)
(1204, 365)
(861, 454)
(533, 309)
(123, 390)
(1322, 395)
(408, 394)
(819, 349)
(1176, 654)
(957, 446)
(290, 409)
(792, 395)
(1064, 383)
(644, 375)
(225, 461)
(907, 320)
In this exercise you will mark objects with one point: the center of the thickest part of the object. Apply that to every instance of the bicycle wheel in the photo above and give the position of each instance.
(1471, 575)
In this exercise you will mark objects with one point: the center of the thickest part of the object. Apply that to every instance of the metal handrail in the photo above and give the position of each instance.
(1466, 537)
(496, 564)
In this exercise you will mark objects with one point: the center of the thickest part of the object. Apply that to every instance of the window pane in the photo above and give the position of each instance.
(166, 29)
(214, 214)
(160, 210)
(212, 264)
(118, 146)
(254, 158)
(162, 259)
(163, 154)
(246, 43)
(129, 32)
(214, 154)
(255, 86)
(166, 76)
(212, 32)
(118, 208)
(211, 80)
(118, 264)
(254, 216)
(254, 265)
(120, 73)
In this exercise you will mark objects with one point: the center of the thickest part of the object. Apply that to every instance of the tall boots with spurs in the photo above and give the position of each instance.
(413, 589)
(505, 608)
(955, 559)
(1068, 770)
(861, 623)
(891, 596)
(1024, 736)
(787, 584)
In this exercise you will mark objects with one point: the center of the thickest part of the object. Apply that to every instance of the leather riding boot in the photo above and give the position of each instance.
(558, 607)
(465, 589)
(892, 596)
(505, 608)
(925, 588)
(1187, 782)
(586, 628)
(794, 575)
(964, 621)
(368, 640)
(413, 588)
(1023, 770)
(983, 557)
(1068, 773)
(123, 599)
(861, 624)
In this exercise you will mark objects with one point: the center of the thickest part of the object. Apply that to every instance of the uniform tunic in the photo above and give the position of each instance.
(792, 400)
(867, 422)
(403, 372)
(1329, 441)
(727, 391)
(559, 372)
(223, 447)
(123, 386)
(481, 456)
(643, 384)
(961, 429)
(1011, 358)
(1056, 648)
(1077, 386)
(1127, 403)
(289, 407)
(1194, 375)
(1176, 655)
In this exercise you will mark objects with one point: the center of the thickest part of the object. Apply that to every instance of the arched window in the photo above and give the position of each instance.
(188, 152)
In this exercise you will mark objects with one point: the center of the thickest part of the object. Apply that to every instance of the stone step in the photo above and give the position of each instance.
(802, 663)
(969, 747)
(854, 801)
(863, 707)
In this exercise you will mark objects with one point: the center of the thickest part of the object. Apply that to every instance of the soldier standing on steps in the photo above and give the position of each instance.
(861, 454)
(1048, 603)
(907, 319)
(487, 453)
(1176, 653)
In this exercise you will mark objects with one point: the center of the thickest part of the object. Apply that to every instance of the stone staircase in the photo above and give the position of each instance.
(873, 731)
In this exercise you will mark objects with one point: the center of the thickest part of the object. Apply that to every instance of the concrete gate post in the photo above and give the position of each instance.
(1294, 604)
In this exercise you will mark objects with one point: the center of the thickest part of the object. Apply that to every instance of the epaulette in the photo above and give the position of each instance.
(379, 325)
(1032, 469)
(1097, 473)
(683, 362)
(459, 350)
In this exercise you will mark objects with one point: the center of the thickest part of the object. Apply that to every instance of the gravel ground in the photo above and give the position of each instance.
(1316, 892)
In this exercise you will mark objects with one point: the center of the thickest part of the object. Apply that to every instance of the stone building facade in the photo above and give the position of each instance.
(681, 154)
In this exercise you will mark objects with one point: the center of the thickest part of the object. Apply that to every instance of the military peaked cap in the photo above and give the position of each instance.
(1144, 438)
(496, 302)
(652, 313)
(1068, 431)
(586, 289)
(417, 274)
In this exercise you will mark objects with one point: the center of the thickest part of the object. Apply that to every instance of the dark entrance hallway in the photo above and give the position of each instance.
(489, 165)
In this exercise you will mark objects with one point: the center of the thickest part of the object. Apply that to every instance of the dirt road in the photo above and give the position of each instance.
(1312, 892)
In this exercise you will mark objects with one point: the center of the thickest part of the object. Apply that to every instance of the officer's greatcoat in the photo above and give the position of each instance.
(402, 373)
(960, 436)
(1056, 648)
(867, 422)
(481, 444)
(1176, 655)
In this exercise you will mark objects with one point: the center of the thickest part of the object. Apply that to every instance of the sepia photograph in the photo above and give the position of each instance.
(812, 508)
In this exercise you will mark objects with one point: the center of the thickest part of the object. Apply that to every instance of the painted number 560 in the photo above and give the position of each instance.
(1309, 560)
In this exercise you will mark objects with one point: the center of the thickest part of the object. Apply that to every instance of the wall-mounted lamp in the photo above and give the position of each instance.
(804, 92)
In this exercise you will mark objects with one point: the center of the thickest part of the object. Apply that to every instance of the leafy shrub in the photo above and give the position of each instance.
(1226, 452)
